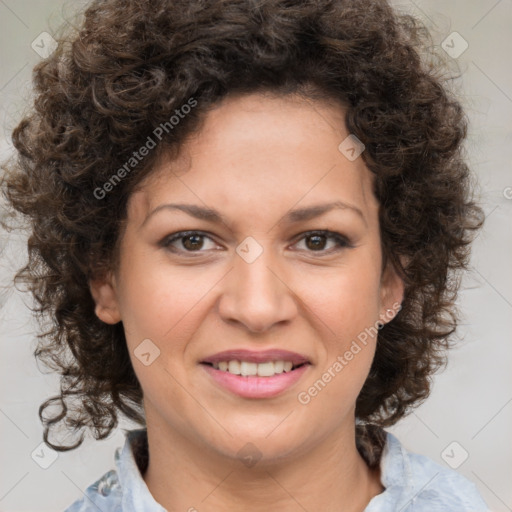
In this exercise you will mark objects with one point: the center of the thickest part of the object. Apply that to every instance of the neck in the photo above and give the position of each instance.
(331, 476)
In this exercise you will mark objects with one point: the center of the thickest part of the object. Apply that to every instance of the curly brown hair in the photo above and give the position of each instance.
(134, 64)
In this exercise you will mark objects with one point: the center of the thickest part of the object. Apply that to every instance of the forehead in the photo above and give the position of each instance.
(258, 152)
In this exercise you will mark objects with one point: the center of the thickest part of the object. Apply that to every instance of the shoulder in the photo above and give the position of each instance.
(420, 484)
(441, 488)
(105, 494)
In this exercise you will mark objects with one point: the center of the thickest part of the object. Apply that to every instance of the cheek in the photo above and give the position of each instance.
(347, 300)
(347, 303)
(348, 309)
(159, 301)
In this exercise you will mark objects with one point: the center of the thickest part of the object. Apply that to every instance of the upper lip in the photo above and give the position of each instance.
(253, 356)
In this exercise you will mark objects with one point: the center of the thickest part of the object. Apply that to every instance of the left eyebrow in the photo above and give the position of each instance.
(293, 216)
(311, 212)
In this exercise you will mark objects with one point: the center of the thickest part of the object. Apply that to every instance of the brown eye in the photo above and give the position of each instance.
(192, 242)
(186, 241)
(315, 242)
(318, 240)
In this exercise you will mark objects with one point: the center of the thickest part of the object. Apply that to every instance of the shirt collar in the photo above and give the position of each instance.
(396, 477)
(136, 495)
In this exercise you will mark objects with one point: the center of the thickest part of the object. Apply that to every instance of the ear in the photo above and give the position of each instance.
(103, 291)
(391, 293)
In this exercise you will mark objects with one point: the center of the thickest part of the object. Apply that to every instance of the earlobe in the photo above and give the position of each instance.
(392, 294)
(103, 292)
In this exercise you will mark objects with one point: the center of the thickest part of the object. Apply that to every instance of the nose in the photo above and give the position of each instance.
(257, 295)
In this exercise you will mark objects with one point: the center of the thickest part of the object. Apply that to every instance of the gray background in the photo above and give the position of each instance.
(471, 400)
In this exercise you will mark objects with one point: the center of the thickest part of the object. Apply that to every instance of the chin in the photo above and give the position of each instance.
(270, 445)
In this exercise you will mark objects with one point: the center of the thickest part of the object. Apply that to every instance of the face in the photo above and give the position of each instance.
(259, 276)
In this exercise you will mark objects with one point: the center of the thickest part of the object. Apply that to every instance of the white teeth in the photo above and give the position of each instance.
(247, 369)
(266, 369)
(234, 367)
(278, 366)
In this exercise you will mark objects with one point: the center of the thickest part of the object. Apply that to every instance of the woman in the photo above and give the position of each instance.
(247, 223)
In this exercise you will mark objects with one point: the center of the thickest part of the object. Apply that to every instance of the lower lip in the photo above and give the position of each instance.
(253, 386)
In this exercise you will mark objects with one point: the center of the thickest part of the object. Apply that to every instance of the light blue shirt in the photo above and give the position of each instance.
(412, 482)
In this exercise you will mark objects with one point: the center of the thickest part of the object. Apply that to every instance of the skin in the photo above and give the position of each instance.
(255, 158)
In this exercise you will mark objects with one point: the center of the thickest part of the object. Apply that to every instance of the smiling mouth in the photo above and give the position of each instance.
(252, 369)
(256, 380)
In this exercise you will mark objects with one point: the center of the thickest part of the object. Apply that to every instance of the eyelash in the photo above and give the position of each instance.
(341, 241)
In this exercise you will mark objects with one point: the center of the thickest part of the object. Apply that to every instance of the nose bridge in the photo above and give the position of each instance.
(256, 295)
